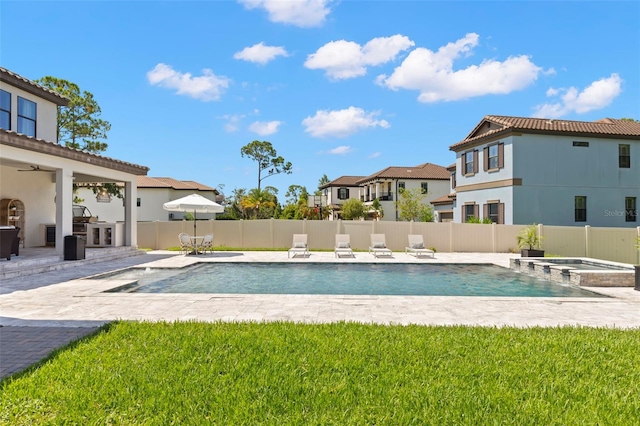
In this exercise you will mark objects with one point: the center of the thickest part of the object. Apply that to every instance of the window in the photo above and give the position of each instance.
(630, 209)
(494, 210)
(5, 110)
(580, 208)
(453, 180)
(624, 156)
(400, 186)
(582, 144)
(343, 193)
(494, 157)
(470, 162)
(424, 187)
(26, 117)
(469, 211)
(138, 202)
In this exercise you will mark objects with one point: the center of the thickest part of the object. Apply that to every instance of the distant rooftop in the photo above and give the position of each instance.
(167, 182)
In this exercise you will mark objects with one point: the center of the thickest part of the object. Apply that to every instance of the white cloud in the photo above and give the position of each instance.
(346, 59)
(261, 54)
(264, 128)
(341, 123)
(232, 123)
(374, 155)
(597, 95)
(208, 87)
(432, 73)
(340, 150)
(301, 13)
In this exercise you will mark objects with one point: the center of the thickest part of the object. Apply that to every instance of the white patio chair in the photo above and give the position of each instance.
(417, 248)
(186, 245)
(207, 244)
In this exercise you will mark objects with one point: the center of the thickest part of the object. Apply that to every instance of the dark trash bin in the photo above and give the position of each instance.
(74, 247)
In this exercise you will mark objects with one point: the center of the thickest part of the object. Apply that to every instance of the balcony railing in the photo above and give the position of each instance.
(384, 196)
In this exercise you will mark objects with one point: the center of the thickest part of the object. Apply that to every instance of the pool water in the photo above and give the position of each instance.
(587, 265)
(343, 279)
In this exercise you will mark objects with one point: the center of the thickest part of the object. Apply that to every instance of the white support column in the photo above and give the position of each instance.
(587, 241)
(130, 214)
(64, 207)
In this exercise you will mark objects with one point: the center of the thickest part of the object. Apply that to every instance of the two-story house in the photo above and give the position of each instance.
(432, 179)
(338, 191)
(37, 174)
(517, 170)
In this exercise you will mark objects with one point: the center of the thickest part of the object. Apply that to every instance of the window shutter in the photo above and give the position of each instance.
(485, 211)
(476, 209)
(475, 161)
(347, 193)
(501, 213)
(500, 155)
(464, 213)
(485, 164)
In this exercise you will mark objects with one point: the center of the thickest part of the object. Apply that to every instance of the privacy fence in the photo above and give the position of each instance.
(615, 244)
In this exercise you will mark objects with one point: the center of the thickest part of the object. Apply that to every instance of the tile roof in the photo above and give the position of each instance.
(32, 87)
(499, 125)
(421, 171)
(343, 181)
(166, 182)
(18, 140)
(445, 199)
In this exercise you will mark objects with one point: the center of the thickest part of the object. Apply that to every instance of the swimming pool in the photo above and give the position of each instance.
(342, 279)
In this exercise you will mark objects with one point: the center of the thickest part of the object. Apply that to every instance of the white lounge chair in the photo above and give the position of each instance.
(299, 246)
(417, 248)
(343, 246)
(378, 246)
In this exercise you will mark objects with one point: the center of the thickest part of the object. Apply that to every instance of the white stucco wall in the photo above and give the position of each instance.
(151, 202)
(46, 113)
(436, 189)
(106, 212)
(37, 192)
(332, 196)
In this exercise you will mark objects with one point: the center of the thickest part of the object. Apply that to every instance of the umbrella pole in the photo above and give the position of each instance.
(195, 248)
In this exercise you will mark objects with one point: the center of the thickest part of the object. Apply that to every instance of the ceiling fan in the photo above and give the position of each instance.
(35, 169)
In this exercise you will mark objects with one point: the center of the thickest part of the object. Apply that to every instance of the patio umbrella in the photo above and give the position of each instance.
(193, 203)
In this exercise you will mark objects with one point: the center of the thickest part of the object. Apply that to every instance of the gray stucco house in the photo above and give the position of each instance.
(518, 170)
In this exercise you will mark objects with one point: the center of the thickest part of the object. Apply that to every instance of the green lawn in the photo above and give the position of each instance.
(332, 374)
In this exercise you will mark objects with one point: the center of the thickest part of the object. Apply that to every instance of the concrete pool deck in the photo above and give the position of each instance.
(64, 299)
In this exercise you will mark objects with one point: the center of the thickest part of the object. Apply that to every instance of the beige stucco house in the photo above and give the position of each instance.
(40, 173)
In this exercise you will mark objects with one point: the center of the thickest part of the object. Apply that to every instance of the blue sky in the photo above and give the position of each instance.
(338, 87)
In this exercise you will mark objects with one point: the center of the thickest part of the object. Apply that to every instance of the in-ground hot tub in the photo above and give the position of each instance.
(580, 271)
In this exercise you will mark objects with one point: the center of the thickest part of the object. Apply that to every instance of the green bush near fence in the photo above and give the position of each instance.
(332, 374)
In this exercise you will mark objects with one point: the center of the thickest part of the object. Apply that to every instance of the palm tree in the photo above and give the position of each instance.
(258, 198)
